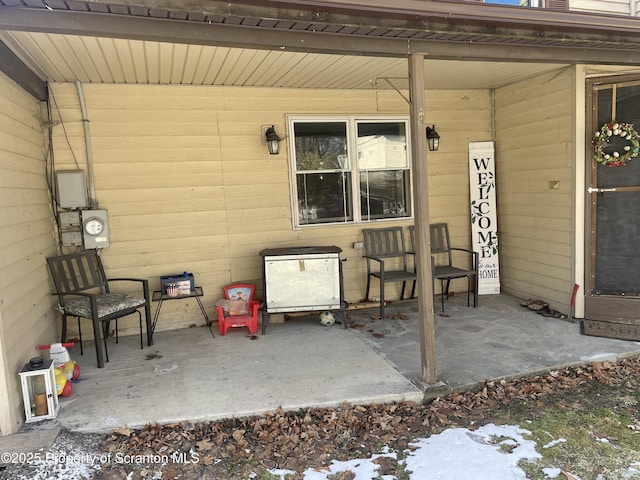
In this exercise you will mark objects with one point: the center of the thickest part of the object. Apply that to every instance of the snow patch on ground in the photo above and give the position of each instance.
(555, 442)
(488, 453)
(491, 452)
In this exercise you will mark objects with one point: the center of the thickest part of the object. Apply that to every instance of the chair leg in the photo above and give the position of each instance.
(105, 334)
(404, 285)
(80, 336)
(413, 289)
(253, 328)
(382, 297)
(475, 291)
(442, 290)
(140, 321)
(117, 340)
(222, 328)
(366, 295)
(433, 291)
(63, 333)
(468, 289)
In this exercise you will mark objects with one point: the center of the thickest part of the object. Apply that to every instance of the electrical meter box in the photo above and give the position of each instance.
(72, 189)
(71, 239)
(95, 230)
(69, 219)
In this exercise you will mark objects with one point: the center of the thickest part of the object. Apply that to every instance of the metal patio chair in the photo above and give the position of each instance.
(442, 263)
(83, 291)
(386, 257)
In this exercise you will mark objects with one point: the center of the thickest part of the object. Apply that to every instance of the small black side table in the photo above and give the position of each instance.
(196, 293)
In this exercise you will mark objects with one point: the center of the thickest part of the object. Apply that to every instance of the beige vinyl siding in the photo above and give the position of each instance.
(617, 7)
(189, 185)
(534, 145)
(465, 117)
(26, 316)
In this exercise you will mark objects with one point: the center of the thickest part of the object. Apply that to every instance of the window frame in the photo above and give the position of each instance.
(351, 122)
(530, 3)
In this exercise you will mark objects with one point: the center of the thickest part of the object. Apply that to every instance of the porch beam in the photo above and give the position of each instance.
(409, 15)
(509, 48)
(419, 157)
(17, 71)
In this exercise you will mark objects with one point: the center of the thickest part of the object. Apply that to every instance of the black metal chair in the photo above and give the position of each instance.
(83, 291)
(386, 245)
(442, 263)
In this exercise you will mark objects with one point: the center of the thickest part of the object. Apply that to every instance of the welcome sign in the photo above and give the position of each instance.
(484, 223)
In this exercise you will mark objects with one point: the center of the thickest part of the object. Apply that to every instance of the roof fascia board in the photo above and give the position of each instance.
(201, 33)
(17, 71)
(404, 14)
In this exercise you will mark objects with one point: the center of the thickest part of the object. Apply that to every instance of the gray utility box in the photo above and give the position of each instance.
(72, 189)
(300, 279)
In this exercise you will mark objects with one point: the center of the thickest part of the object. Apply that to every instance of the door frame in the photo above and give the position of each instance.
(605, 315)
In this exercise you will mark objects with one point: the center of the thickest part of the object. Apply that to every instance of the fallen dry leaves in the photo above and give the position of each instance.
(311, 438)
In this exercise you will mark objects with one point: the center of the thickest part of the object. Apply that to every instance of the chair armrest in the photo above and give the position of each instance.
(462, 250)
(79, 294)
(413, 260)
(377, 259)
(474, 256)
(144, 282)
(126, 279)
(254, 306)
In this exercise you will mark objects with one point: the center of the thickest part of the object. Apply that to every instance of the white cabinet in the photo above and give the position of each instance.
(300, 279)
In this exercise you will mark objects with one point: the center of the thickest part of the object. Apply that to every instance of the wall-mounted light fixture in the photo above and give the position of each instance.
(271, 138)
(433, 138)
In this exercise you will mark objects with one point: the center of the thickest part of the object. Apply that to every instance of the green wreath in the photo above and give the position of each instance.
(602, 147)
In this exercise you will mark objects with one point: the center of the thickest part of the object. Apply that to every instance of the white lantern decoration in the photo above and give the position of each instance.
(38, 390)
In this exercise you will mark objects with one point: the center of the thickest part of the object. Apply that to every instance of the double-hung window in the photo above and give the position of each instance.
(349, 169)
(548, 4)
(517, 3)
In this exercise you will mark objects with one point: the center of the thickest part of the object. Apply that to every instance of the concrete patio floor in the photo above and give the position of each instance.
(187, 375)
(499, 339)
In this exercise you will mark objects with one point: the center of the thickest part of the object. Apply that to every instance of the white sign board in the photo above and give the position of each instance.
(484, 223)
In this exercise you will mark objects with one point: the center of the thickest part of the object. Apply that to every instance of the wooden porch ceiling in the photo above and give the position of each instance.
(307, 44)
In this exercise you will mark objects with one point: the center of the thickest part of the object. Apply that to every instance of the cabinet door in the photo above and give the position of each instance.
(302, 282)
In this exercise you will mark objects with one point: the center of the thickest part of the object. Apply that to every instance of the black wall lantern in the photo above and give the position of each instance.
(433, 138)
(272, 140)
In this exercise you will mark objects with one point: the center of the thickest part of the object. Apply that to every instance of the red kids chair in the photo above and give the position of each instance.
(238, 309)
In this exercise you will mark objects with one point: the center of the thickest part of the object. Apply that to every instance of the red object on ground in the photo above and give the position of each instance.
(66, 391)
(576, 287)
(241, 293)
(47, 347)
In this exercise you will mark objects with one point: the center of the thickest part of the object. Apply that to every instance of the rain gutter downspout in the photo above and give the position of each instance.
(87, 144)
